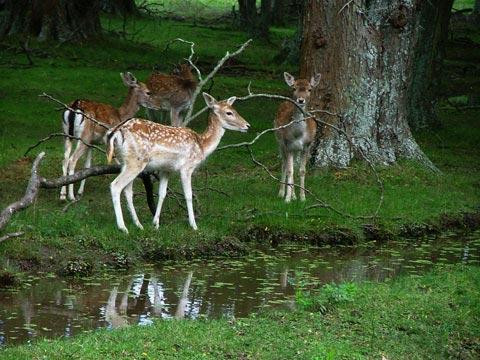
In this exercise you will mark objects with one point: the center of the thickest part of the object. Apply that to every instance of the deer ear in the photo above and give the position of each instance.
(289, 79)
(129, 80)
(315, 80)
(231, 100)
(209, 100)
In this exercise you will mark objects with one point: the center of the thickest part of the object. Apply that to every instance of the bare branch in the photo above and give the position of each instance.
(320, 202)
(45, 95)
(11, 235)
(205, 80)
(63, 135)
(345, 6)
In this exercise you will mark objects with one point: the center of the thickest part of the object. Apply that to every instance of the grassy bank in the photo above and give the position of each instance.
(235, 198)
(434, 316)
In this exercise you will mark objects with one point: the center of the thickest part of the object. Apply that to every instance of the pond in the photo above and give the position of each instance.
(48, 306)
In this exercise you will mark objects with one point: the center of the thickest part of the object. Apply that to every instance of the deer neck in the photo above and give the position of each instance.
(210, 139)
(129, 107)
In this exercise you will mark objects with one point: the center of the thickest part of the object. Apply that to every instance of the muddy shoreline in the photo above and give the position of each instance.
(95, 260)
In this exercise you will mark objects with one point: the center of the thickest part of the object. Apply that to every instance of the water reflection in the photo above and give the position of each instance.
(53, 307)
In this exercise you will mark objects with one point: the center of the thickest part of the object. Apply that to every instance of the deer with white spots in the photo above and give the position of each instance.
(173, 91)
(77, 125)
(140, 144)
(297, 138)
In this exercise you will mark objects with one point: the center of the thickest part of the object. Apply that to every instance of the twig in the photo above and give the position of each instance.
(203, 81)
(321, 203)
(63, 135)
(66, 207)
(11, 235)
(345, 6)
(45, 95)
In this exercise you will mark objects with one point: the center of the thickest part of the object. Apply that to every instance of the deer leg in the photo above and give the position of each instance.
(162, 192)
(66, 158)
(175, 117)
(88, 163)
(128, 192)
(127, 175)
(77, 154)
(303, 166)
(186, 177)
(289, 171)
(283, 177)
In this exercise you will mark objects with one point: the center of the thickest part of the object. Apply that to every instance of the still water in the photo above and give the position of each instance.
(48, 306)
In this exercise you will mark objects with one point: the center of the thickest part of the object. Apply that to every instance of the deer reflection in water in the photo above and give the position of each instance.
(182, 302)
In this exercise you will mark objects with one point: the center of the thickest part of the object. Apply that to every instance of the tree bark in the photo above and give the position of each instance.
(51, 19)
(365, 52)
(119, 7)
(257, 24)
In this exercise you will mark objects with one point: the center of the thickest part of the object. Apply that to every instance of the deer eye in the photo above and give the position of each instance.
(229, 113)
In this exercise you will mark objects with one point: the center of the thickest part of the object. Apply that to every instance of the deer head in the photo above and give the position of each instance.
(302, 88)
(139, 90)
(229, 118)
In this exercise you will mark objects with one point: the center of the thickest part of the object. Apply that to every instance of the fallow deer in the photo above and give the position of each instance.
(296, 138)
(173, 91)
(78, 125)
(140, 144)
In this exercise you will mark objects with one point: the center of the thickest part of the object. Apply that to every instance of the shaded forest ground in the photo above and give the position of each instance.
(245, 209)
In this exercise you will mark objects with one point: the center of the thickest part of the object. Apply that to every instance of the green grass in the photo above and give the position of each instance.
(434, 316)
(248, 195)
(463, 4)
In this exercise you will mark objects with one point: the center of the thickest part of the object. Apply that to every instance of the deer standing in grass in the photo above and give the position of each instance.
(78, 125)
(142, 144)
(173, 91)
(296, 138)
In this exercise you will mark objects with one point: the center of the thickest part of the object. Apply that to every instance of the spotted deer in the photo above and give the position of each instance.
(173, 91)
(296, 138)
(140, 144)
(78, 125)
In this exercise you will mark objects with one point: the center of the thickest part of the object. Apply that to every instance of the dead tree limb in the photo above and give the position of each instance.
(203, 81)
(29, 197)
(62, 135)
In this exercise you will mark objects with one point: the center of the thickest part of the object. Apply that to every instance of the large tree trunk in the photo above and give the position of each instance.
(365, 53)
(119, 7)
(51, 19)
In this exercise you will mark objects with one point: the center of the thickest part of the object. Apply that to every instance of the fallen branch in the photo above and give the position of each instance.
(30, 194)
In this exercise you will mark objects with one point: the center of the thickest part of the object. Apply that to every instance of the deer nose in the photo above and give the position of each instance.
(301, 100)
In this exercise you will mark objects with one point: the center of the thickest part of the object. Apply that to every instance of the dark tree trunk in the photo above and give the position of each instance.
(279, 12)
(119, 7)
(257, 24)
(365, 54)
(476, 12)
(51, 19)
(432, 34)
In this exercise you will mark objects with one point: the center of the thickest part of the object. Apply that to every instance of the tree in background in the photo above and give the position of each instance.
(257, 24)
(51, 19)
(119, 7)
(366, 52)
